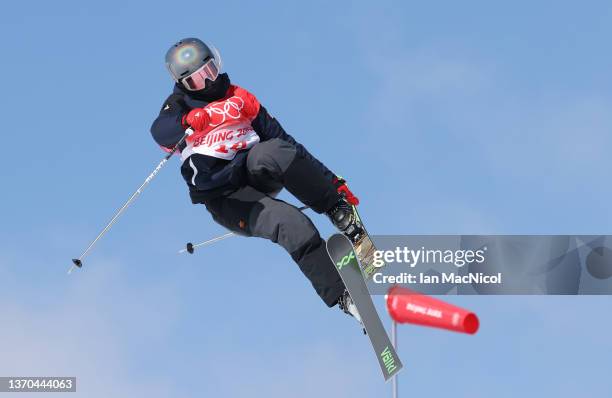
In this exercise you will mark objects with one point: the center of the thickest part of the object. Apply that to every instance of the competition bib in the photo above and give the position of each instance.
(222, 142)
(229, 129)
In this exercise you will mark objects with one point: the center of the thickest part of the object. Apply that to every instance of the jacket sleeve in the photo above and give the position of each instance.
(268, 128)
(167, 129)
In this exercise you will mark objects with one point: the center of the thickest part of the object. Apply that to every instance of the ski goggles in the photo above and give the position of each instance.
(197, 80)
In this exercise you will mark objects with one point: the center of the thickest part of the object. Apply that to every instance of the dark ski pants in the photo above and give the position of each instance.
(253, 211)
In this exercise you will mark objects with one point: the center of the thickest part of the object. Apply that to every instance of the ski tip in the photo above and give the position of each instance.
(189, 247)
(77, 262)
(336, 238)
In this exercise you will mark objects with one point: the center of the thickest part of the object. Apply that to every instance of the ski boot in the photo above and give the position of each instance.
(346, 304)
(344, 217)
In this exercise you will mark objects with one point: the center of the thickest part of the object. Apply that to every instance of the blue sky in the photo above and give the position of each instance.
(445, 117)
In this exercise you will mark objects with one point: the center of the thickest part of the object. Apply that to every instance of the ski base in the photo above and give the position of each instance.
(347, 263)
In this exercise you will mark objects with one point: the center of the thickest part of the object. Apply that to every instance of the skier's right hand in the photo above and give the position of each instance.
(197, 119)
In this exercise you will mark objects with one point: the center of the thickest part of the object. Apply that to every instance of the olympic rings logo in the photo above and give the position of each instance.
(229, 109)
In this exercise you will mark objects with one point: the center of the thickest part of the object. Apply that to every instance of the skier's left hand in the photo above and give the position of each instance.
(344, 190)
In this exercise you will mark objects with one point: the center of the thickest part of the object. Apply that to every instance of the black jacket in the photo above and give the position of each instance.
(216, 177)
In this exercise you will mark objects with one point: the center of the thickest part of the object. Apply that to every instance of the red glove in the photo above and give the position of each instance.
(197, 119)
(344, 190)
(251, 105)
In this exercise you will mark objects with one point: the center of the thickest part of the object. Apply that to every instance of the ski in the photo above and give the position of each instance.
(348, 261)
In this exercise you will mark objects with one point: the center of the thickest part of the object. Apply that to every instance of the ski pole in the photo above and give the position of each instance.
(190, 247)
(78, 262)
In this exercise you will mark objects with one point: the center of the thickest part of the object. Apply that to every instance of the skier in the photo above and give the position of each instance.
(239, 157)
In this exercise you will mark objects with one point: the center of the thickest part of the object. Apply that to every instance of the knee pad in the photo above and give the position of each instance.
(271, 157)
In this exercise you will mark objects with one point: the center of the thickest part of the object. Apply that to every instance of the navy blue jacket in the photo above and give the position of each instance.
(215, 177)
